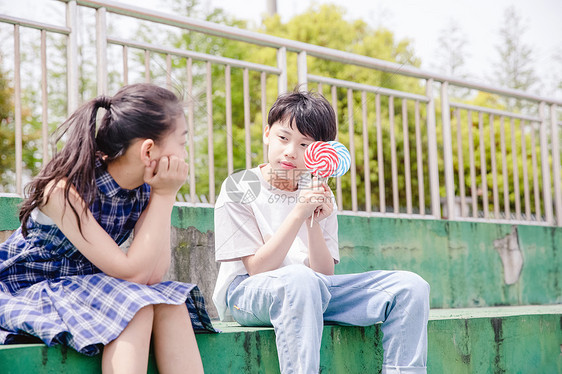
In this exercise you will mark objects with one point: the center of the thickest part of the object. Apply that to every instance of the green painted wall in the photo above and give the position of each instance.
(9, 213)
(200, 218)
(458, 259)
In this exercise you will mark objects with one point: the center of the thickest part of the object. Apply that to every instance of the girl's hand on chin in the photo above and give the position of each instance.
(167, 175)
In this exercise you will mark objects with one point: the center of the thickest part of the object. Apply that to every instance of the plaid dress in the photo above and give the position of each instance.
(50, 291)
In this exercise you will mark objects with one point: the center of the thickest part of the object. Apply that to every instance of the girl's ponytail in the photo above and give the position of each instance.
(103, 102)
(138, 111)
(75, 162)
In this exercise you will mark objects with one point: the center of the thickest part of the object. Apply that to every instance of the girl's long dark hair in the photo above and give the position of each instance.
(139, 111)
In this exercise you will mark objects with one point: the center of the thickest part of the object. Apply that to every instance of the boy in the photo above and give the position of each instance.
(277, 268)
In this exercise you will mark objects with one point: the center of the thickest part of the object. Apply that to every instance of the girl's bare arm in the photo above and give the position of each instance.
(151, 243)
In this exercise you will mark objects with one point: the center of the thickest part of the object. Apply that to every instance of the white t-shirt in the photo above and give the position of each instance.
(248, 212)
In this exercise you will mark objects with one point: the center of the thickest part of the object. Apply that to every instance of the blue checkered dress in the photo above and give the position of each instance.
(48, 290)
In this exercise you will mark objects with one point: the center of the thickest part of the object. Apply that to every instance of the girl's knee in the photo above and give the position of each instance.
(145, 313)
(142, 320)
(166, 308)
(170, 311)
(171, 316)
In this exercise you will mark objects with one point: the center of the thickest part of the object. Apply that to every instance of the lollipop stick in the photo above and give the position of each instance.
(315, 211)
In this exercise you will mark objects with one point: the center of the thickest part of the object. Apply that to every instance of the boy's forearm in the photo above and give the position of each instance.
(319, 255)
(271, 255)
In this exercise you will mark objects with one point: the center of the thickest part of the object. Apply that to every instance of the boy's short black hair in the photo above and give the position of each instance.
(312, 113)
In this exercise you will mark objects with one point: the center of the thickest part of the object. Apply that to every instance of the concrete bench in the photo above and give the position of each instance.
(510, 272)
(467, 264)
(518, 339)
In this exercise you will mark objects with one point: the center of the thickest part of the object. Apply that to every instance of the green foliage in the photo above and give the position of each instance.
(31, 133)
(193, 41)
(7, 129)
(326, 26)
(514, 141)
(515, 66)
(451, 56)
(400, 121)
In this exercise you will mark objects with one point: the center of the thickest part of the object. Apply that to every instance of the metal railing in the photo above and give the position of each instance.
(445, 169)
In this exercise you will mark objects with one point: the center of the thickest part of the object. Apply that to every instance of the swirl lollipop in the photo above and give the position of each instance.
(321, 158)
(344, 158)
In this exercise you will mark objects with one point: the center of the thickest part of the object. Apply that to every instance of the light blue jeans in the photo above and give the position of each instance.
(296, 301)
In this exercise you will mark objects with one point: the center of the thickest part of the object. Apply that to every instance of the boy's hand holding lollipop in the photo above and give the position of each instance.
(327, 159)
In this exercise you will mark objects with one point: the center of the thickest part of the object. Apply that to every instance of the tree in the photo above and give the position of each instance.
(214, 45)
(451, 55)
(515, 66)
(515, 132)
(554, 76)
(451, 50)
(31, 129)
(325, 25)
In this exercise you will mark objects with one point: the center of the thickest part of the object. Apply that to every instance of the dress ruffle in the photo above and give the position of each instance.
(89, 311)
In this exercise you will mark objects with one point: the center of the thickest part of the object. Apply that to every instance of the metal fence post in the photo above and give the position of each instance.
(448, 151)
(302, 71)
(545, 165)
(18, 111)
(101, 50)
(282, 65)
(556, 164)
(72, 56)
(44, 99)
(432, 151)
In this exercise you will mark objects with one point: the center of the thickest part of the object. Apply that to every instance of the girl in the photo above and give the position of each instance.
(63, 277)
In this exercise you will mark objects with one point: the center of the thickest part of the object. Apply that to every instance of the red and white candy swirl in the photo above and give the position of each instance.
(321, 159)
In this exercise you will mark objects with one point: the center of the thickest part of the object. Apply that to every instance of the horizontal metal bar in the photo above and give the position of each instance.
(235, 33)
(504, 221)
(366, 87)
(385, 215)
(34, 25)
(495, 112)
(457, 218)
(194, 55)
(9, 194)
(193, 205)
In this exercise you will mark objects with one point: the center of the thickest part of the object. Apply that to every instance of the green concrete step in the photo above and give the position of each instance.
(520, 339)
(467, 264)
(515, 339)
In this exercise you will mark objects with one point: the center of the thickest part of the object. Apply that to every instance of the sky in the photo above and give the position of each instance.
(422, 22)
